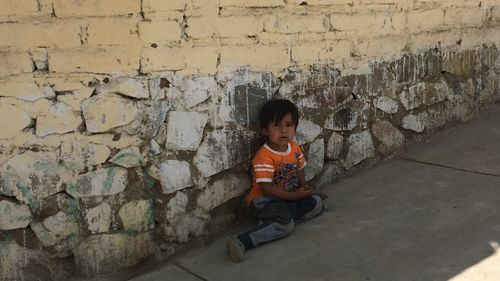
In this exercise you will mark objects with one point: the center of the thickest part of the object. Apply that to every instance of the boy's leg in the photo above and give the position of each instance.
(275, 221)
(309, 207)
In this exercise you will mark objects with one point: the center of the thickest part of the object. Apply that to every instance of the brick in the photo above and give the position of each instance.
(15, 63)
(296, 24)
(18, 8)
(112, 31)
(85, 8)
(201, 60)
(222, 27)
(380, 47)
(325, 2)
(443, 38)
(420, 21)
(201, 8)
(321, 52)
(119, 60)
(476, 37)
(252, 3)
(268, 57)
(464, 16)
(369, 25)
(53, 34)
(427, 4)
(151, 6)
(159, 32)
(495, 13)
(197, 59)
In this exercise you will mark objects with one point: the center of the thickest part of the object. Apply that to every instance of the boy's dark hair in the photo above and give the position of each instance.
(275, 110)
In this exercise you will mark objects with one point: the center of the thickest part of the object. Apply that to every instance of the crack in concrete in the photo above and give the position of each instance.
(189, 271)
(448, 167)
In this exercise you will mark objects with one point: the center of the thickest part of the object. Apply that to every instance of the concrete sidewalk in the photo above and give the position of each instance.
(432, 213)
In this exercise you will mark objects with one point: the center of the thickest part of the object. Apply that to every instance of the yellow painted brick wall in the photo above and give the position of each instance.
(194, 36)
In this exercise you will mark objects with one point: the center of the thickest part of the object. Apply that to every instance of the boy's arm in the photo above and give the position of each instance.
(302, 184)
(302, 178)
(270, 189)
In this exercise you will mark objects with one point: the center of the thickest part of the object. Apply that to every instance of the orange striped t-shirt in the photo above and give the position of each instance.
(279, 168)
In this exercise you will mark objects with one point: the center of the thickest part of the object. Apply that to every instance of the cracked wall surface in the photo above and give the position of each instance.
(126, 127)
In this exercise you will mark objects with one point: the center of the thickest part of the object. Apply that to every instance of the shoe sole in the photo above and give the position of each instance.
(234, 251)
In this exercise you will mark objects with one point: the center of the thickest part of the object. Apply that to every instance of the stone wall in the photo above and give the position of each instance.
(126, 126)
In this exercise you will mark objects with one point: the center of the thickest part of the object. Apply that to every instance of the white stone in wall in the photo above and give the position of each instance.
(388, 135)
(360, 148)
(128, 158)
(45, 236)
(168, 85)
(102, 182)
(125, 86)
(77, 154)
(223, 190)
(336, 125)
(192, 223)
(413, 97)
(437, 92)
(137, 216)
(331, 171)
(15, 263)
(306, 131)
(27, 91)
(154, 147)
(185, 130)
(13, 216)
(315, 159)
(196, 90)
(176, 207)
(61, 224)
(31, 176)
(415, 123)
(34, 109)
(175, 175)
(155, 116)
(387, 105)
(156, 92)
(103, 113)
(105, 252)
(98, 218)
(12, 119)
(39, 56)
(59, 119)
(335, 146)
(223, 149)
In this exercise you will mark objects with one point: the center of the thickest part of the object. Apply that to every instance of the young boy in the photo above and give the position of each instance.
(279, 193)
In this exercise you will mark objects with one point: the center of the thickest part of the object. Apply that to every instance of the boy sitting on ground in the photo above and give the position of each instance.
(279, 193)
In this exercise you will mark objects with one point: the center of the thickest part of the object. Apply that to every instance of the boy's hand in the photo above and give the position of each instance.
(321, 195)
(304, 191)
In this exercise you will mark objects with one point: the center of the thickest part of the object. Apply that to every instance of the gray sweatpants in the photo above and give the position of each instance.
(276, 217)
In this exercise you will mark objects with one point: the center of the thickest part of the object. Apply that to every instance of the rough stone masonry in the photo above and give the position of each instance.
(126, 126)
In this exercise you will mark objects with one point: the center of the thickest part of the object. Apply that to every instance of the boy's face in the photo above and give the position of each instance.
(280, 133)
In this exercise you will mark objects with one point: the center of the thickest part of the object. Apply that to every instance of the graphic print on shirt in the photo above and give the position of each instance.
(287, 177)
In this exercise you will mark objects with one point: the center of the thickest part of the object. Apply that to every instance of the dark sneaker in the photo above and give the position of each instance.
(235, 249)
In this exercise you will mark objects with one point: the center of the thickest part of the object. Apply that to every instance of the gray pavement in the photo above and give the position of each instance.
(432, 213)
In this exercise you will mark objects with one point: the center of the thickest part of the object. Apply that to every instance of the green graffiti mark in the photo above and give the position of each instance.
(73, 209)
(129, 232)
(150, 181)
(127, 158)
(28, 195)
(8, 180)
(149, 213)
(108, 183)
